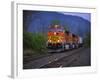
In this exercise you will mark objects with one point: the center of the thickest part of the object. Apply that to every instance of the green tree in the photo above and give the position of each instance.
(66, 27)
(27, 40)
(55, 22)
(87, 40)
(35, 42)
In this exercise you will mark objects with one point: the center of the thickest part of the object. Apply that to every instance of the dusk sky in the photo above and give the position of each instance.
(86, 16)
(39, 21)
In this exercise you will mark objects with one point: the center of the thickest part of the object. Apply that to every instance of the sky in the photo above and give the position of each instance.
(86, 16)
(39, 21)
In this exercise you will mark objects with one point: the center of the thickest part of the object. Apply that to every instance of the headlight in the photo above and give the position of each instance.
(49, 40)
(58, 41)
(54, 33)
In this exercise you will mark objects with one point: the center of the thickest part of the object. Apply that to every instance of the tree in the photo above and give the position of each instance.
(66, 27)
(87, 40)
(55, 22)
(35, 42)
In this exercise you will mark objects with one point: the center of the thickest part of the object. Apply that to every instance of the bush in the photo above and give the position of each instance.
(87, 40)
(27, 40)
(35, 42)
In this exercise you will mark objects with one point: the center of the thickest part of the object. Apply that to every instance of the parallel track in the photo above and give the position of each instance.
(48, 60)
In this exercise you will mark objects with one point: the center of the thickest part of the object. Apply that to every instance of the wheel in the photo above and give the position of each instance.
(66, 46)
(73, 46)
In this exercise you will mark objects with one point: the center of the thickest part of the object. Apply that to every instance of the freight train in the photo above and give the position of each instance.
(61, 39)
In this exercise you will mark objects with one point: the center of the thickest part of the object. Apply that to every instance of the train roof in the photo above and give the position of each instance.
(67, 32)
(56, 28)
(74, 35)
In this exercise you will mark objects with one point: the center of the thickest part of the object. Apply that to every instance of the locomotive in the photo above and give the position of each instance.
(59, 38)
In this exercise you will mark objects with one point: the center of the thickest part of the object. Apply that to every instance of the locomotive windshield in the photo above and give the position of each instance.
(56, 28)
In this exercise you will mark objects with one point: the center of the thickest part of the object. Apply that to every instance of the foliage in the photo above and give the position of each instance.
(66, 27)
(27, 40)
(35, 42)
(87, 40)
(54, 22)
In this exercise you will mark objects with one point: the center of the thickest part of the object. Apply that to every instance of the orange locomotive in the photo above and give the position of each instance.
(58, 38)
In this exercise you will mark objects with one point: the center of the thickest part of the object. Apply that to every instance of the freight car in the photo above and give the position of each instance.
(59, 38)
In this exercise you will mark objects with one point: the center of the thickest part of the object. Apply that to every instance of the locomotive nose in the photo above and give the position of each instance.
(54, 33)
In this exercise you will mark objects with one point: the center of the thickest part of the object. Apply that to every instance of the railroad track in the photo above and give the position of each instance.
(48, 60)
(72, 60)
(63, 62)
